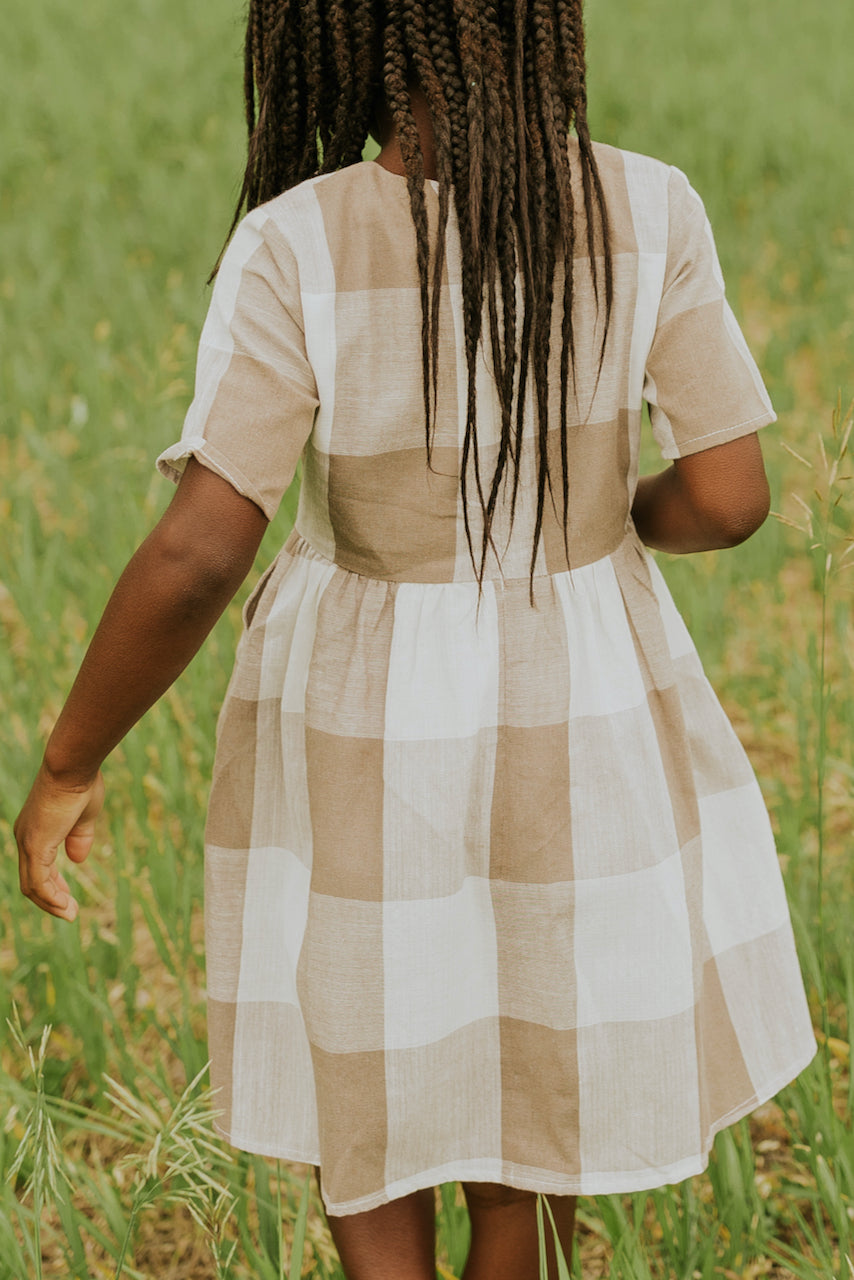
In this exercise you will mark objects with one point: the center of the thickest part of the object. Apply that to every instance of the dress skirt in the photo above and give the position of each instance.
(473, 917)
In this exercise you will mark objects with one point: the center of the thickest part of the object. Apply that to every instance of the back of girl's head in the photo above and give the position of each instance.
(504, 82)
(315, 69)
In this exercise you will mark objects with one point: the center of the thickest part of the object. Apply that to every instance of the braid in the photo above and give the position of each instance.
(438, 103)
(540, 201)
(395, 81)
(555, 128)
(364, 27)
(473, 277)
(504, 82)
(570, 31)
(253, 56)
(500, 164)
(339, 26)
(312, 34)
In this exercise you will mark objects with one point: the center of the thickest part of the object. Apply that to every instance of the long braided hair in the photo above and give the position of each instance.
(504, 82)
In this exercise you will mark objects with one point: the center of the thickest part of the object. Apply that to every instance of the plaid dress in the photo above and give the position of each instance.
(491, 891)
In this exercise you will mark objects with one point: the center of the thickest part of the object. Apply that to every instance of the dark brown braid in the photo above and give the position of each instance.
(504, 82)
(425, 68)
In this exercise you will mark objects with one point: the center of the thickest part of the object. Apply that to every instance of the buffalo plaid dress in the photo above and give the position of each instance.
(491, 892)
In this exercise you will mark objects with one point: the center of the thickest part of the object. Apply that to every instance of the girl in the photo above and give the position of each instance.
(491, 894)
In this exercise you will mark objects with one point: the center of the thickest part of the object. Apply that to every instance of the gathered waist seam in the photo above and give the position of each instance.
(298, 545)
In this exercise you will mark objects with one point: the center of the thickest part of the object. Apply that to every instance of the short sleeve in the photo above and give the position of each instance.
(702, 384)
(255, 393)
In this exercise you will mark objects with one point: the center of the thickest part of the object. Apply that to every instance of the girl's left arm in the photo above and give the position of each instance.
(167, 600)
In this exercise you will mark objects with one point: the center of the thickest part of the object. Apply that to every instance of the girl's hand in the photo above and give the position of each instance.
(165, 603)
(55, 812)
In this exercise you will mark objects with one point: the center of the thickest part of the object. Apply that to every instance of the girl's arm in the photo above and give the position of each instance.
(167, 600)
(705, 501)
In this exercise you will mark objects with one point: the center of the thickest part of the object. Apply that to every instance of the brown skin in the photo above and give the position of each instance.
(397, 1240)
(385, 134)
(165, 603)
(168, 598)
(709, 500)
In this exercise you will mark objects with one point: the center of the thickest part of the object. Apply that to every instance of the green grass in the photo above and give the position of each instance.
(754, 102)
(120, 146)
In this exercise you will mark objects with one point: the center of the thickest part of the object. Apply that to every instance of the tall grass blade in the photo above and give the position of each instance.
(280, 1219)
(38, 1143)
(541, 1238)
(454, 1227)
(562, 1268)
(71, 1232)
(298, 1245)
(270, 1213)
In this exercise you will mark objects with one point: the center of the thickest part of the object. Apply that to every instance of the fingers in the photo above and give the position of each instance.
(79, 840)
(41, 880)
(52, 894)
(50, 816)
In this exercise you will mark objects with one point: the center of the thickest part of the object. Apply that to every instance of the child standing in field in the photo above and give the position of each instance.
(490, 890)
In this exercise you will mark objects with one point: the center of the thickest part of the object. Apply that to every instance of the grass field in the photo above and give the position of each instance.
(120, 148)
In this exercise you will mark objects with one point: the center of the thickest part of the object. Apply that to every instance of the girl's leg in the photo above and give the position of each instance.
(504, 1238)
(397, 1241)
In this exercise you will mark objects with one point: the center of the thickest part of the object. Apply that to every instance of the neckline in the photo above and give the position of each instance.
(399, 177)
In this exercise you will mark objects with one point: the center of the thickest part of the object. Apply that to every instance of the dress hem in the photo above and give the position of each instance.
(526, 1178)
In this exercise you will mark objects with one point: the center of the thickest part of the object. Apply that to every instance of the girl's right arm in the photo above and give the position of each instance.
(165, 603)
(705, 501)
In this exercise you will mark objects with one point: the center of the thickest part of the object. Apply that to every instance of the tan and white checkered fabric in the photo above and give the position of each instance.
(491, 893)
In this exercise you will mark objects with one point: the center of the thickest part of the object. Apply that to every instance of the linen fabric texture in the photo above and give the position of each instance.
(490, 889)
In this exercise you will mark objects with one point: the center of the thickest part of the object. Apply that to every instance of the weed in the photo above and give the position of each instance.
(38, 1145)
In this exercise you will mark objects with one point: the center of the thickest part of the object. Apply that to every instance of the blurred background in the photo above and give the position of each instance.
(121, 150)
